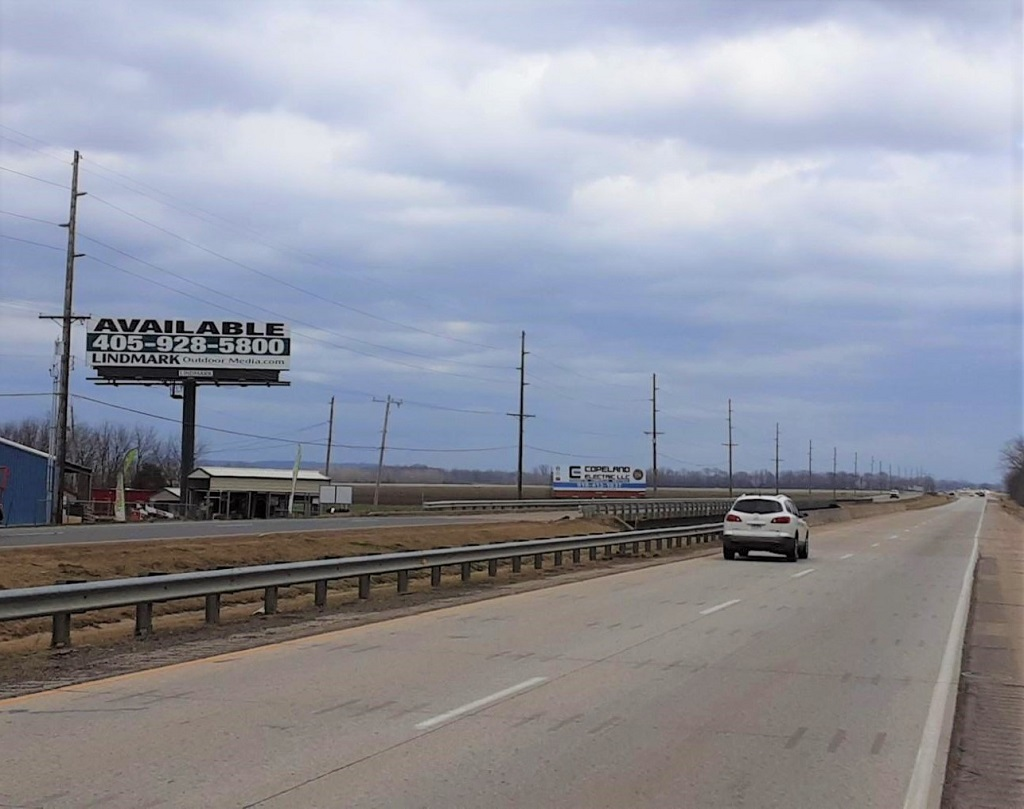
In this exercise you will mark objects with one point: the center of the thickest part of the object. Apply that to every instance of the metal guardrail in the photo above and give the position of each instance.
(647, 507)
(632, 510)
(61, 601)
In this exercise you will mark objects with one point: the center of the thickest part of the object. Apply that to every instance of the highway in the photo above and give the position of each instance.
(127, 532)
(701, 683)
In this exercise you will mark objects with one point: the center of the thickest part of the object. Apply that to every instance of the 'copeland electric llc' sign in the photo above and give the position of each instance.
(175, 349)
(598, 480)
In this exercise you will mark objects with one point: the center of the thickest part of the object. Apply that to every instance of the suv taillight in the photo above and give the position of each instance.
(732, 518)
(781, 519)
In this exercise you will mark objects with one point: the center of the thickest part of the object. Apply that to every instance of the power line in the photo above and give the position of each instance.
(30, 218)
(29, 241)
(278, 315)
(37, 179)
(276, 438)
(32, 148)
(275, 279)
(254, 235)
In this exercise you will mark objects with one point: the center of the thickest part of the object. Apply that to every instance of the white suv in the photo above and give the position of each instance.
(765, 522)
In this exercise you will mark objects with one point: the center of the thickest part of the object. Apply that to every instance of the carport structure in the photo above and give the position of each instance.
(223, 492)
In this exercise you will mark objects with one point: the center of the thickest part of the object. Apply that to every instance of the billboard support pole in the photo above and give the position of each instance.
(188, 441)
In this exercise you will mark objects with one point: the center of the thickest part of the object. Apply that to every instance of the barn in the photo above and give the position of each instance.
(24, 497)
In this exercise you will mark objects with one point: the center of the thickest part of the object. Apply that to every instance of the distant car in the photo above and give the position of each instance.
(765, 522)
(894, 494)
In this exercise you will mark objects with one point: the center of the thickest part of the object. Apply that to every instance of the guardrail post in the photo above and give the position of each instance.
(143, 619)
(622, 549)
(364, 586)
(558, 558)
(320, 594)
(607, 551)
(688, 541)
(61, 634)
(636, 549)
(492, 567)
(647, 545)
(213, 608)
(576, 556)
(403, 582)
(657, 544)
(467, 571)
(517, 564)
(435, 576)
(269, 600)
(592, 554)
(538, 561)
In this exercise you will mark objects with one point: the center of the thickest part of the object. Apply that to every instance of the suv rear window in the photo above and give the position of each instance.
(756, 506)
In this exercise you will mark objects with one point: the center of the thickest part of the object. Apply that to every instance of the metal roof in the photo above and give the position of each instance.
(69, 466)
(255, 472)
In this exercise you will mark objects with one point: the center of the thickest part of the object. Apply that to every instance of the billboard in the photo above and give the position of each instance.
(168, 350)
(598, 480)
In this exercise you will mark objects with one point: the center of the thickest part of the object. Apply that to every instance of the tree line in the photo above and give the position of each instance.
(102, 448)
(1013, 466)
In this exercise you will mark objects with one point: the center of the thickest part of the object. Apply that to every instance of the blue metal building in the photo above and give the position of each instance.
(25, 500)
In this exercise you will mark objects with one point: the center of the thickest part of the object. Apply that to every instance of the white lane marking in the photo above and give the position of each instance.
(931, 751)
(875, 544)
(895, 536)
(803, 573)
(721, 606)
(434, 721)
(847, 556)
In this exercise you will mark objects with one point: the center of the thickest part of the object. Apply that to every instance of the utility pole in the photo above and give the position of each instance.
(383, 441)
(522, 415)
(330, 438)
(64, 373)
(890, 476)
(810, 474)
(653, 432)
(856, 480)
(834, 454)
(872, 476)
(776, 457)
(730, 445)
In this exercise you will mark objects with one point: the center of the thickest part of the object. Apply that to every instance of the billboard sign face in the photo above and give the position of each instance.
(149, 348)
(598, 480)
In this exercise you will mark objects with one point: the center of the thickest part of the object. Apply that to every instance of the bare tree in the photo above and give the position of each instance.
(1013, 466)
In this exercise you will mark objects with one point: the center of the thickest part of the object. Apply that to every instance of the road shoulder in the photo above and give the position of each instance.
(986, 758)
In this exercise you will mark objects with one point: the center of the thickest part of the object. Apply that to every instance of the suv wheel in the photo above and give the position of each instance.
(728, 553)
(804, 550)
(792, 555)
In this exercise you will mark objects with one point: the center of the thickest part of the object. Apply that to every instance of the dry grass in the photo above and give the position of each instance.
(30, 567)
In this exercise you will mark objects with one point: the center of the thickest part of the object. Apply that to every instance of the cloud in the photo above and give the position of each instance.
(803, 206)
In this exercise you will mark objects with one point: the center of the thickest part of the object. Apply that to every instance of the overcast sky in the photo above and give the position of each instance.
(811, 208)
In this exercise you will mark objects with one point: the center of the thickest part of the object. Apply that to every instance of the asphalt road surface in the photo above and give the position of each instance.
(702, 683)
(126, 532)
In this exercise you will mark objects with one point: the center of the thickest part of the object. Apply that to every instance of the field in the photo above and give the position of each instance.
(415, 494)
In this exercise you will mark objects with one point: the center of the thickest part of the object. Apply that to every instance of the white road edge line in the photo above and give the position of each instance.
(846, 556)
(803, 573)
(931, 752)
(434, 721)
(721, 606)
(875, 544)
